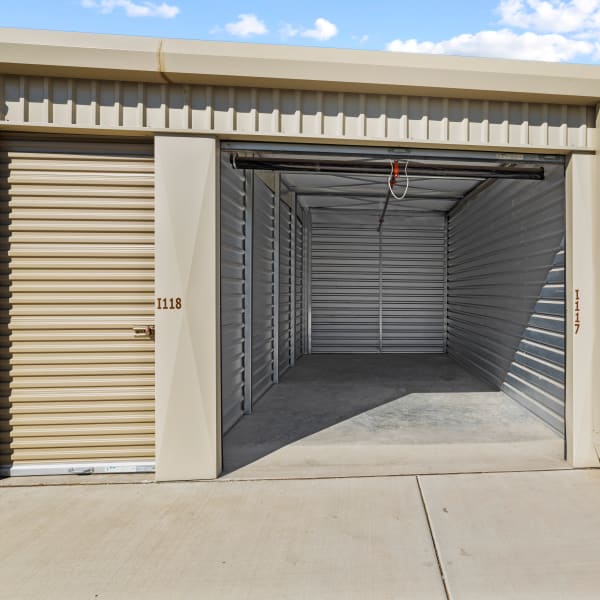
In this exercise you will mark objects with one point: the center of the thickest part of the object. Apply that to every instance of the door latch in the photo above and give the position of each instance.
(145, 331)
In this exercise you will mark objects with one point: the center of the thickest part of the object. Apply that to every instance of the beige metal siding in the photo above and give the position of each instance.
(298, 114)
(80, 244)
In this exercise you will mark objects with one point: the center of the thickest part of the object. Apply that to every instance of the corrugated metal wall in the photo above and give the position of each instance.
(537, 373)
(268, 112)
(257, 253)
(285, 284)
(263, 289)
(413, 283)
(506, 290)
(372, 293)
(344, 282)
(78, 272)
(299, 288)
(234, 257)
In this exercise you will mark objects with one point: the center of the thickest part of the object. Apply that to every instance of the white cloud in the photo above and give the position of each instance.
(551, 16)
(288, 31)
(246, 25)
(554, 30)
(361, 39)
(504, 44)
(323, 30)
(134, 9)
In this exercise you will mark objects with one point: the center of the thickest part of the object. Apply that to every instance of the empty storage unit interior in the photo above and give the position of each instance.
(391, 311)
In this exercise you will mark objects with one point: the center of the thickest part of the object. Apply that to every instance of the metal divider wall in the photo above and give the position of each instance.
(285, 281)
(299, 286)
(235, 239)
(258, 275)
(264, 283)
(506, 290)
(372, 293)
(78, 306)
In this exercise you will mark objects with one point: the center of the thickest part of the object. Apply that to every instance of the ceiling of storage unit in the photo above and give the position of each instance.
(358, 190)
(369, 191)
(320, 180)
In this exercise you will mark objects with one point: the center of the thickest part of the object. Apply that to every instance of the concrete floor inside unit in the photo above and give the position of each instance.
(366, 415)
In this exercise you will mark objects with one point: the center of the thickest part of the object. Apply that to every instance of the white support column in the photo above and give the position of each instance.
(582, 293)
(596, 269)
(188, 415)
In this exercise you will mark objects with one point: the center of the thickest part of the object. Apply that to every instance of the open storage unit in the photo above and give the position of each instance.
(262, 326)
(457, 285)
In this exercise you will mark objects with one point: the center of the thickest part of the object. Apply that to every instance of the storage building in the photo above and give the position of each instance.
(267, 261)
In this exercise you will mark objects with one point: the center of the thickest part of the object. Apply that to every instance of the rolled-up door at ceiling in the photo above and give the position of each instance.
(234, 256)
(263, 287)
(285, 285)
(79, 267)
(374, 293)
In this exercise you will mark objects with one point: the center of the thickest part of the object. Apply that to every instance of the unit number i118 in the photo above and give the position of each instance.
(168, 303)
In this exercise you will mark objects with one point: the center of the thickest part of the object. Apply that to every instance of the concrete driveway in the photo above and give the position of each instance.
(503, 536)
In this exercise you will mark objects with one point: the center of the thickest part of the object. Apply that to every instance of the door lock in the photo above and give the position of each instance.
(145, 331)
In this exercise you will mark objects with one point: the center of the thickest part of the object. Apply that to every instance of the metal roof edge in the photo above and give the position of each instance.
(132, 58)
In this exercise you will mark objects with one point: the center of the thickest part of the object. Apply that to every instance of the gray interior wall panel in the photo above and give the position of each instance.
(263, 265)
(377, 294)
(299, 290)
(506, 290)
(537, 372)
(233, 246)
(344, 282)
(413, 283)
(285, 285)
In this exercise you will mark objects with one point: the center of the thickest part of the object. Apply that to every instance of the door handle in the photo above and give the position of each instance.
(144, 331)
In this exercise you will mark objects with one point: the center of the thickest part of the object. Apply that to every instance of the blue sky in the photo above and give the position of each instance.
(554, 30)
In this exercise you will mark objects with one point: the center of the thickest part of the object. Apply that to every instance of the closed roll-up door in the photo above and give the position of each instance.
(376, 292)
(299, 275)
(344, 282)
(233, 292)
(263, 285)
(78, 267)
(413, 283)
(285, 286)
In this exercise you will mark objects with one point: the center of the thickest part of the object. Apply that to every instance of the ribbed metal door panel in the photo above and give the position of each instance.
(506, 290)
(377, 293)
(344, 282)
(263, 282)
(299, 289)
(79, 250)
(413, 283)
(285, 286)
(233, 292)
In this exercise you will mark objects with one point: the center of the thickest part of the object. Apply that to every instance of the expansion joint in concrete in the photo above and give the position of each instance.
(433, 540)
